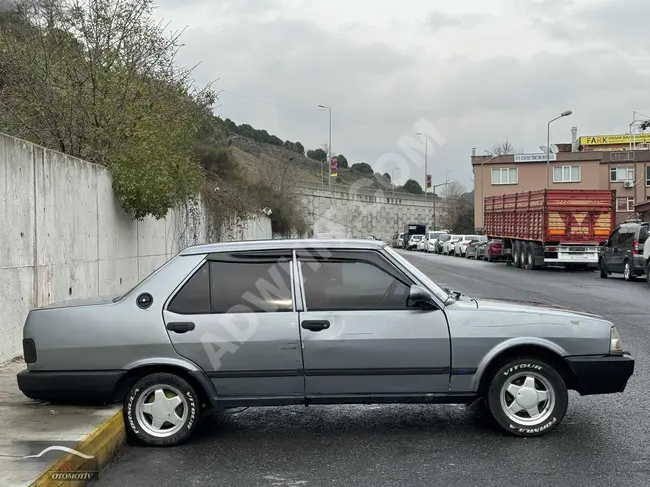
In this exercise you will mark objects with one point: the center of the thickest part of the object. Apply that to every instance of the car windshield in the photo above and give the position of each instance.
(434, 234)
(435, 288)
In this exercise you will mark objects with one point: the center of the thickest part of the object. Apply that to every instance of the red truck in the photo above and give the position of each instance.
(551, 226)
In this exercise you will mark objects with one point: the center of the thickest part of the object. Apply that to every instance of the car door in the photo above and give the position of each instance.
(235, 317)
(612, 254)
(359, 338)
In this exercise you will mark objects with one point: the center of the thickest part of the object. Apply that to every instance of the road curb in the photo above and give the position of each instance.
(102, 444)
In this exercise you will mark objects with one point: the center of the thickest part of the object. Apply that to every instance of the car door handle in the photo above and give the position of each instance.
(315, 325)
(181, 326)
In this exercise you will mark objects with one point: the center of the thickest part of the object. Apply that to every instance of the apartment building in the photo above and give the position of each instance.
(627, 172)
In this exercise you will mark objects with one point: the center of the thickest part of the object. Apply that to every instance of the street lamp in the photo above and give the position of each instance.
(329, 146)
(426, 138)
(434, 201)
(548, 145)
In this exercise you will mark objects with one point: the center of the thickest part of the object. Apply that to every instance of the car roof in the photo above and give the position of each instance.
(275, 244)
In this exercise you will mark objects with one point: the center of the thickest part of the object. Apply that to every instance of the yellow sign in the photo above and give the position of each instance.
(614, 139)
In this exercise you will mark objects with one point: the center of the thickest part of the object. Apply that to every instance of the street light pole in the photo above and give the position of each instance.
(329, 147)
(435, 228)
(426, 174)
(548, 145)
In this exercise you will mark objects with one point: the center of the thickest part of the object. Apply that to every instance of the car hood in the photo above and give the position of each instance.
(510, 305)
(73, 303)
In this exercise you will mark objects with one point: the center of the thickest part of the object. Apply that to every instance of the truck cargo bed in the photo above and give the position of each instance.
(551, 216)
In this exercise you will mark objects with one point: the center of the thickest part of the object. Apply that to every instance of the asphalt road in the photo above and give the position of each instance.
(603, 440)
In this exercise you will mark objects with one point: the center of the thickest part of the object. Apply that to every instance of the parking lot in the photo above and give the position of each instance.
(602, 441)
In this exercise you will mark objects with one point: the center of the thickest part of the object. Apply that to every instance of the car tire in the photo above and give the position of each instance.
(177, 398)
(519, 384)
(603, 269)
(628, 273)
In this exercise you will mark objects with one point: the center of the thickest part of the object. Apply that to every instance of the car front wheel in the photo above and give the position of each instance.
(161, 409)
(527, 397)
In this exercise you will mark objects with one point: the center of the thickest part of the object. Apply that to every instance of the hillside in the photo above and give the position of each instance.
(255, 156)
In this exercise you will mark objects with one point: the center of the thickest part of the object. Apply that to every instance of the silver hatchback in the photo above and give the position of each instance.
(285, 322)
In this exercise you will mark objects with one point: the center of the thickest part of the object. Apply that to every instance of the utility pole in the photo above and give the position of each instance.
(329, 147)
(548, 146)
(426, 172)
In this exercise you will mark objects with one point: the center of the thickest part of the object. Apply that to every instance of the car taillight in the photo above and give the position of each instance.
(635, 249)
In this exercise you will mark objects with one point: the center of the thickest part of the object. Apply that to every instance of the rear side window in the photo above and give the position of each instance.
(643, 233)
(626, 237)
(194, 296)
(251, 287)
(233, 286)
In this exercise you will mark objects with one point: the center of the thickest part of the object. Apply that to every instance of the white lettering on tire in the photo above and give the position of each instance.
(535, 430)
(129, 412)
(190, 399)
(522, 366)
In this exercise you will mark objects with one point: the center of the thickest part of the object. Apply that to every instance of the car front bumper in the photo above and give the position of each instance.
(604, 374)
(70, 386)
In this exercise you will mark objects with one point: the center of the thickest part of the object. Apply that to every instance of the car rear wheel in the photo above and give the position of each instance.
(527, 397)
(628, 275)
(161, 409)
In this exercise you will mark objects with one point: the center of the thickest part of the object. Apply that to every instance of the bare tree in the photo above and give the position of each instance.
(456, 207)
(502, 148)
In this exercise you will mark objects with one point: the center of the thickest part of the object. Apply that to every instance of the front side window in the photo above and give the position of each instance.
(566, 174)
(621, 174)
(352, 285)
(236, 287)
(625, 203)
(505, 175)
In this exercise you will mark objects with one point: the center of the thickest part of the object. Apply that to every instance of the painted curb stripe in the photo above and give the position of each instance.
(103, 444)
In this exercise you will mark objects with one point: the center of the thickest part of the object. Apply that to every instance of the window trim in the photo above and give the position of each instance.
(372, 257)
(647, 176)
(501, 169)
(562, 171)
(627, 173)
(627, 203)
(270, 256)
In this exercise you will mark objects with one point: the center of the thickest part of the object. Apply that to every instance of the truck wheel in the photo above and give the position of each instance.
(603, 270)
(527, 397)
(628, 275)
(530, 257)
(161, 409)
(516, 256)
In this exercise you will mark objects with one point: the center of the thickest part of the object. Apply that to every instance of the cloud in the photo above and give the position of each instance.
(440, 20)
(496, 81)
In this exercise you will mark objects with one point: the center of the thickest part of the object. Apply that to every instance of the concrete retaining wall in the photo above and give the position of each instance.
(341, 213)
(63, 235)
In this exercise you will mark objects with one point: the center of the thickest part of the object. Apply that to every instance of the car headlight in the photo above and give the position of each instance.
(615, 343)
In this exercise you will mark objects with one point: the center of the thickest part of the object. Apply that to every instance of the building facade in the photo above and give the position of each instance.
(627, 172)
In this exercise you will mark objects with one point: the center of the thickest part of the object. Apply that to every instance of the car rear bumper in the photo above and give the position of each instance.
(605, 374)
(70, 386)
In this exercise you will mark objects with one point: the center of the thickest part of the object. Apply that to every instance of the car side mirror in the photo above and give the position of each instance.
(603, 243)
(420, 298)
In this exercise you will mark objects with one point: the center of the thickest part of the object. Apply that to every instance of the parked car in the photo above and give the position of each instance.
(448, 245)
(438, 247)
(622, 252)
(400, 241)
(493, 250)
(431, 240)
(475, 248)
(462, 243)
(413, 242)
(422, 244)
(346, 321)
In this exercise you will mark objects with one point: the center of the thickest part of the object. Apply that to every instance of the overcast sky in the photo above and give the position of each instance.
(477, 72)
